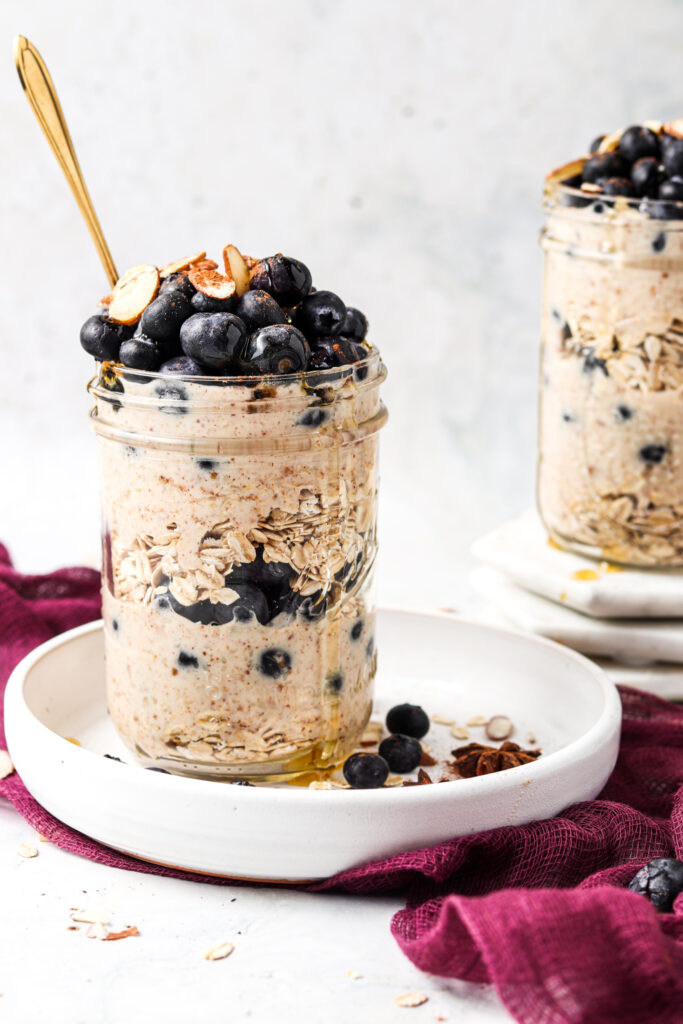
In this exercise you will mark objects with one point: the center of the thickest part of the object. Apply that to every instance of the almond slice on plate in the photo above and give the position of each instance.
(173, 268)
(499, 727)
(236, 268)
(212, 283)
(133, 294)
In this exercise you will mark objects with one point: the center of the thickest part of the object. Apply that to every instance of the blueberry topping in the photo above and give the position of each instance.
(402, 753)
(275, 663)
(596, 207)
(321, 314)
(329, 352)
(356, 630)
(602, 166)
(313, 418)
(141, 353)
(259, 309)
(646, 177)
(335, 683)
(179, 282)
(660, 881)
(637, 142)
(595, 144)
(659, 242)
(671, 189)
(186, 660)
(365, 771)
(182, 365)
(287, 280)
(618, 187)
(162, 319)
(592, 362)
(653, 454)
(672, 156)
(202, 303)
(355, 324)
(623, 413)
(277, 349)
(215, 340)
(408, 720)
(100, 338)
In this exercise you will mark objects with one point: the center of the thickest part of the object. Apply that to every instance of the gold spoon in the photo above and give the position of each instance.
(42, 95)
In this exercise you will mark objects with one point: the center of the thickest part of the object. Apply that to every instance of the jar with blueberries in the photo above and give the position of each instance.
(239, 540)
(610, 467)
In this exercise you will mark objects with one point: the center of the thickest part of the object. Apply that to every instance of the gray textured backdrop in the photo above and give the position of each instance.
(398, 148)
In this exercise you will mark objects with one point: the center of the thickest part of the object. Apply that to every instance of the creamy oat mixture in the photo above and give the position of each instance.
(611, 420)
(239, 526)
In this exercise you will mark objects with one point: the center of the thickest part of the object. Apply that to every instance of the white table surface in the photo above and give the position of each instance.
(292, 951)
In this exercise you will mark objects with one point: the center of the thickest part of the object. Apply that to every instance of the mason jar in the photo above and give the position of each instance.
(239, 540)
(610, 469)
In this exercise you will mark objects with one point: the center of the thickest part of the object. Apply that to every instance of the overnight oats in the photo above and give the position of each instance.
(237, 414)
(611, 417)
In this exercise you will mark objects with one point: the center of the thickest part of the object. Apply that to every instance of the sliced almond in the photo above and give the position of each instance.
(204, 265)
(459, 732)
(476, 720)
(411, 999)
(26, 850)
(656, 126)
(674, 127)
(90, 916)
(133, 297)
(394, 780)
(212, 283)
(569, 170)
(131, 272)
(442, 720)
(499, 727)
(125, 934)
(610, 142)
(219, 951)
(6, 766)
(177, 265)
(97, 931)
(591, 187)
(236, 268)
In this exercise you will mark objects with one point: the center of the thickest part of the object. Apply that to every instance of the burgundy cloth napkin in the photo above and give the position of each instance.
(540, 911)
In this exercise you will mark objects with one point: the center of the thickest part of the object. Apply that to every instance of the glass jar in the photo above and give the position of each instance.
(610, 469)
(239, 538)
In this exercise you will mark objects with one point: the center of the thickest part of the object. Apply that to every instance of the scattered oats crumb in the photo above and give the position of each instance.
(411, 999)
(339, 784)
(72, 928)
(122, 934)
(394, 780)
(320, 784)
(70, 739)
(90, 916)
(97, 931)
(459, 732)
(354, 975)
(477, 720)
(219, 951)
(532, 739)
(6, 766)
(442, 720)
(26, 850)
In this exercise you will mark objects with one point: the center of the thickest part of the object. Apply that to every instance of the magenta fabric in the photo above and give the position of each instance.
(541, 911)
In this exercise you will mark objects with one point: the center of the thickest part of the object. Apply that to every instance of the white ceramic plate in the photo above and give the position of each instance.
(644, 639)
(520, 550)
(450, 666)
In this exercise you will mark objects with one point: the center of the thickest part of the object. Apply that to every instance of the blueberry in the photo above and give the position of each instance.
(321, 314)
(569, 417)
(356, 630)
(259, 309)
(277, 349)
(309, 608)
(287, 280)
(202, 303)
(365, 771)
(623, 413)
(355, 324)
(272, 579)
(207, 465)
(334, 683)
(179, 282)
(275, 663)
(408, 720)
(182, 365)
(329, 352)
(618, 187)
(141, 353)
(370, 647)
(186, 660)
(596, 207)
(646, 176)
(658, 242)
(100, 338)
(162, 319)
(175, 393)
(671, 189)
(602, 166)
(637, 142)
(215, 340)
(595, 144)
(672, 156)
(592, 362)
(250, 604)
(660, 881)
(653, 454)
(313, 417)
(402, 753)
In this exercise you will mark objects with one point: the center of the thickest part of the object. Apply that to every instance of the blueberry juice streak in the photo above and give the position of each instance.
(239, 543)
(610, 481)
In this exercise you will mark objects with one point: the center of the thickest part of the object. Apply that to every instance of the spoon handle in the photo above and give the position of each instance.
(42, 95)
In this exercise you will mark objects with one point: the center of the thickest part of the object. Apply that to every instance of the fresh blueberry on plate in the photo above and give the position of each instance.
(365, 771)
(402, 753)
(408, 720)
